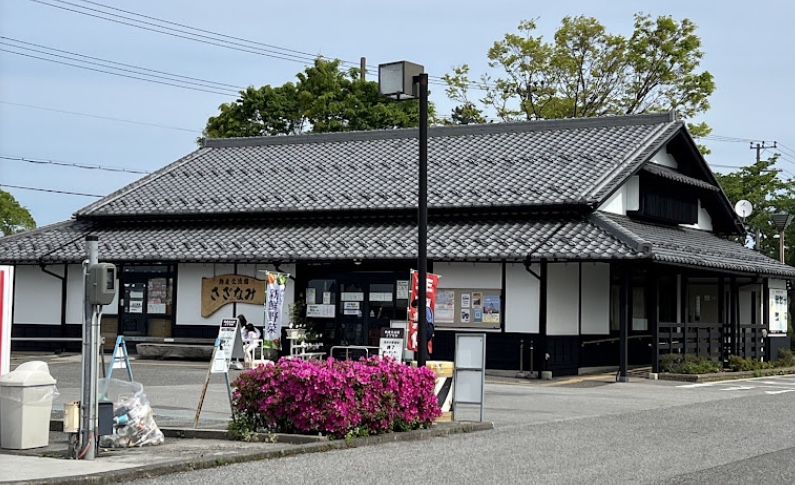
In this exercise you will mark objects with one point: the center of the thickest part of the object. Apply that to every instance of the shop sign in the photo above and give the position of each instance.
(320, 311)
(231, 288)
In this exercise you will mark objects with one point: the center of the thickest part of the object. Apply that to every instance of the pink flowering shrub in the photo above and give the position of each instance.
(336, 397)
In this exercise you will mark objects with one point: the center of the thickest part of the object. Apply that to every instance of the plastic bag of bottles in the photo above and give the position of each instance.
(133, 421)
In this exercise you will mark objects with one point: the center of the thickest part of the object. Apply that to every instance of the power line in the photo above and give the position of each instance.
(116, 73)
(38, 189)
(75, 165)
(266, 50)
(186, 79)
(99, 117)
(164, 30)
(106, 64)
(109, 7)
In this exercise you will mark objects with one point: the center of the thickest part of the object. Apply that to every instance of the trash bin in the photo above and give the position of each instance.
(25, 407)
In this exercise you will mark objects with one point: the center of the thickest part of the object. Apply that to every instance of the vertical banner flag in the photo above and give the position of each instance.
(6, 300)
(274, 301)
(432, 281)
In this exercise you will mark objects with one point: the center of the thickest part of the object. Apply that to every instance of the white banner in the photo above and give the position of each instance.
(6, 302)
(274, 302)
(778, 310)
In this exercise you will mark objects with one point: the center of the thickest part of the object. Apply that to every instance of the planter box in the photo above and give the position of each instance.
(296, 333)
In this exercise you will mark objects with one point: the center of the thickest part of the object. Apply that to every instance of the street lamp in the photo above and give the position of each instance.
(405, 80)
(781, 222)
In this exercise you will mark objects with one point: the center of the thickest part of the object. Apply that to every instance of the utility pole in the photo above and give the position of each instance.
(759, 147)
(88, 387)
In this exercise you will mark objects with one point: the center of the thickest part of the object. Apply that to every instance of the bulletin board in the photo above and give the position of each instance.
(468, 308)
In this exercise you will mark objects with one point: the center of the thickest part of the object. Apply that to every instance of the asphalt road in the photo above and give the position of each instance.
(595, 431)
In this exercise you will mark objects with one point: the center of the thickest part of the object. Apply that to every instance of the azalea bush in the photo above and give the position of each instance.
(339, 398)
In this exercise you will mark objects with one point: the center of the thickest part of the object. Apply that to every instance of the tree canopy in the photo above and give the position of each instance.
(13, 217)
(761, 185)
(586, 71)
(324, 99)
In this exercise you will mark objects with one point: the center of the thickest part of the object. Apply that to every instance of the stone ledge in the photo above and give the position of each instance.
(725, 376)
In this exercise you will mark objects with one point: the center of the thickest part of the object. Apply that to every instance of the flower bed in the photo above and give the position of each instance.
(338, 398)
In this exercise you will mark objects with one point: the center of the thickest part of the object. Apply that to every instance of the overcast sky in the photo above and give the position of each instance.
(50, 111)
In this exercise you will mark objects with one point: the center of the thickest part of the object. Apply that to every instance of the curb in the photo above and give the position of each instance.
(725, 376)
(200, 463)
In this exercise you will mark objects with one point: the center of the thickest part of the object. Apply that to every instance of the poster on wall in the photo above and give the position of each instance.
(491, 308)
(310, 296)
(477, 299)
(444, 310)
(778, 310)
(402, 290)
(465, 300)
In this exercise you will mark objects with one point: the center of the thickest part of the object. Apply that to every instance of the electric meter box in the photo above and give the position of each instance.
(102, 283)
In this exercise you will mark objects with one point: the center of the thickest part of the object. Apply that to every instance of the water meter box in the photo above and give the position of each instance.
(102, 281)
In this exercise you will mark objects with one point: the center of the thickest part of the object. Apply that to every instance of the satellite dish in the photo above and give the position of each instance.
(743, 208)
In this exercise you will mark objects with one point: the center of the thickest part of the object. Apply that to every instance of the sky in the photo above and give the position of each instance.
(64, 118)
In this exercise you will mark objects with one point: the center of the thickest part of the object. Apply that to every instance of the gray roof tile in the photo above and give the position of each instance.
(697, 248)
(671, 174)
(561, 238)
(537, 163)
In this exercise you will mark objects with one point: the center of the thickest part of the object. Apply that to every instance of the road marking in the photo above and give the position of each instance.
(779, 392)
(738, 388)
(691, 386)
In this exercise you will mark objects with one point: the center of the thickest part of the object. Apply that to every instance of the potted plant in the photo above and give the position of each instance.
(270, 349)
(296, 330)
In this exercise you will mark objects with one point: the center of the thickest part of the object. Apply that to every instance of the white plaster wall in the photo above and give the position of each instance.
(522, 292)
(189, 286)
(615, 204)
(777, 284)
(595, 317)
(662, 157)
(75, 293)
(37, 295)
(627, 197)
(704, 219)
(562, 299)
(469, 275)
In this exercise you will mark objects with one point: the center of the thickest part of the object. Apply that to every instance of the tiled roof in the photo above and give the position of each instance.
(561, 237)
(671, 174)
(530, 164)
(697, 248)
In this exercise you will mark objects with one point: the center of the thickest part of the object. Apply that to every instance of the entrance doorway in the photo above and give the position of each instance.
(146, 306)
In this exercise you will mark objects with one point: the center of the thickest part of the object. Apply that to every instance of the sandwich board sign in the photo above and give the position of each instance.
(392, 343)
(231, 345)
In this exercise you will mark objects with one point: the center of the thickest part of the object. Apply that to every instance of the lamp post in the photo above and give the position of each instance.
(781, 222)
(405, 80)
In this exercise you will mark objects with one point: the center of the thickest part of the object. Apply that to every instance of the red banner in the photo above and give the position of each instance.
(432, 281)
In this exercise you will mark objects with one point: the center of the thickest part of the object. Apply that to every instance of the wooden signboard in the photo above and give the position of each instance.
(218, 291)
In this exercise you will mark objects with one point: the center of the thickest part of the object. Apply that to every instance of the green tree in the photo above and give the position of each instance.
(13, 217)
(762, 186)
(586, 71)
(324, 99)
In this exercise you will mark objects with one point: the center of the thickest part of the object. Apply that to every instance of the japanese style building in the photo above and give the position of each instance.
(582, 239)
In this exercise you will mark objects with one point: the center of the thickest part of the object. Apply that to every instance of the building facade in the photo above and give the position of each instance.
(572, 243)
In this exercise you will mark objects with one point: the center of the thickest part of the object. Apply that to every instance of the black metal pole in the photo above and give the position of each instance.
(422, 222)
(624, 322)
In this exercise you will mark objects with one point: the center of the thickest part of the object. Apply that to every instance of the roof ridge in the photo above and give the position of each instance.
(627, 237)
(653, 137)
(138, 183)
(446, 131)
